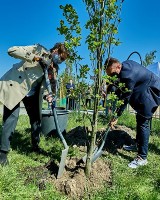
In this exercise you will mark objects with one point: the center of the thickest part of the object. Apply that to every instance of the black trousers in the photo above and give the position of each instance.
(88, 101)
(10, 118)
(70, 105)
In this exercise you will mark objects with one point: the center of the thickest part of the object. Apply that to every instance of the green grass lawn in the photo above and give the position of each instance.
(127, 184)
(138, 184)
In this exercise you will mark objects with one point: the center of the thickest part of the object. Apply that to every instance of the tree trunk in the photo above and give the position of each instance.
(91, 140)
(90, 151)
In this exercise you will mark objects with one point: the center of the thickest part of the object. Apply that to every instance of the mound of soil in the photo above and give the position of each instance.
(74, 183)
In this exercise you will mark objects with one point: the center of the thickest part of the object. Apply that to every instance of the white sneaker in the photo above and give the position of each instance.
(138, 161)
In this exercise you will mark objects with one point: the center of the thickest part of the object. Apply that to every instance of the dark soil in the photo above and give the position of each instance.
(73, 183)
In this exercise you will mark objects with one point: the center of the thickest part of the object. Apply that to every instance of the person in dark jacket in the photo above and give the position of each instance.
(144, 97)
(70, 100)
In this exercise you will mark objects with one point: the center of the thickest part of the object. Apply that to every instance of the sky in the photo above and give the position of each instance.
(30, 22)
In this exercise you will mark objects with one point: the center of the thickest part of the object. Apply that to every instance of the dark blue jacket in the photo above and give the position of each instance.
(144, 86)
(69, 87)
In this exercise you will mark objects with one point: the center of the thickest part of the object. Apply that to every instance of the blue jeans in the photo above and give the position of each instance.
(142, 137)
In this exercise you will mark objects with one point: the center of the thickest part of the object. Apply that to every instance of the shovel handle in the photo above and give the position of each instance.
(48, 85)
(57, 126)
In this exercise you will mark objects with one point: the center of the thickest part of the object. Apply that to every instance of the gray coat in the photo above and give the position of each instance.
(17, 82)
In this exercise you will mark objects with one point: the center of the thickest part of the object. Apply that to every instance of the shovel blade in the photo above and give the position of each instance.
(96, 156)
(83, 160)
(62, 162)
(94, 152)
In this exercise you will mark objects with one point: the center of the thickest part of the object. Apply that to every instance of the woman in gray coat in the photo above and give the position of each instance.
(22, 83)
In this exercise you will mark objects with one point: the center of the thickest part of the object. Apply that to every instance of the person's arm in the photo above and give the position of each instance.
(27, 53)
(125, 96)
(52, 75)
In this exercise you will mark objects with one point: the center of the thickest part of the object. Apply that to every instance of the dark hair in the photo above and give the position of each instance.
(61, 49)
(110, 61)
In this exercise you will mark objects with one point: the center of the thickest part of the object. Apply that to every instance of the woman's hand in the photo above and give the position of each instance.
(49, 99)
(36, 58)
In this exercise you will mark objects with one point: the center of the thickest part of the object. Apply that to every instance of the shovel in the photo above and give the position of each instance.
(97, 150)
(65, 151)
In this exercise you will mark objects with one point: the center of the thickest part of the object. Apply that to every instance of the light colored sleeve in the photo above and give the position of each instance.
(27, 53)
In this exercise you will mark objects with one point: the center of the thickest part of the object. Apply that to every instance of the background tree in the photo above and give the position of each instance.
(149, 58)
(102, 25)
